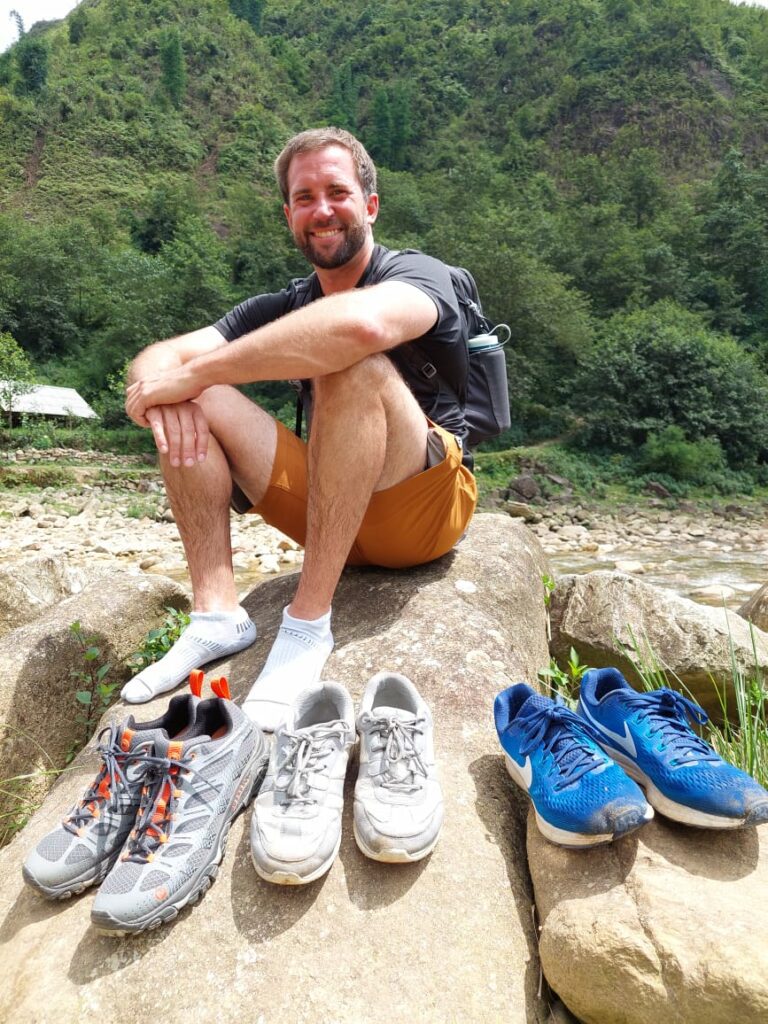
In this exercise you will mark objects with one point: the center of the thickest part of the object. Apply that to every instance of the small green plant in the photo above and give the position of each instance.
(19, 797)
(564, 682)
(548, 583)
(142, 510)
(159, 641)
(22, 801)
(95, 692)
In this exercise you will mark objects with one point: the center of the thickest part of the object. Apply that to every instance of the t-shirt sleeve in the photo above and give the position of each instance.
(254, 313)
(432, 277)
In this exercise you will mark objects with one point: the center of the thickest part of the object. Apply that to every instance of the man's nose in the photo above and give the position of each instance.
(323, 207)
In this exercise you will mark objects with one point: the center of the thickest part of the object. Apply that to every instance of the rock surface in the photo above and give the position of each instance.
(28, 588)
(38, 712)
(448, 939)
(755, 610)
(604, 614)
(665, 925)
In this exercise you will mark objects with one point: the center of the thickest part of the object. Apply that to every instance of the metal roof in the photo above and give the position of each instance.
(44, 400)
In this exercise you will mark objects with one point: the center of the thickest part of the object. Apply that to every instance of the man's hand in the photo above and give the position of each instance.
(180, 431)
(170, 388)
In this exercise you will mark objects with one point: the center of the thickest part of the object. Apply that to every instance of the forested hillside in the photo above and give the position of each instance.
(598, 164)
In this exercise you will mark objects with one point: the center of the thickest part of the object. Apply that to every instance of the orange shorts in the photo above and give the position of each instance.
(415, 521)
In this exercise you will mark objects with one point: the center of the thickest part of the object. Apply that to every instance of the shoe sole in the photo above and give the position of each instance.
(287, 876)
(197, 887)
(670, 808)
(561, 836)
(394, 855)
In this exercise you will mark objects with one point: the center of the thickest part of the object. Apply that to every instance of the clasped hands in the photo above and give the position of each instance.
(164, 404)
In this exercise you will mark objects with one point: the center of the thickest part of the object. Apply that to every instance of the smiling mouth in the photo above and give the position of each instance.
(326, 233)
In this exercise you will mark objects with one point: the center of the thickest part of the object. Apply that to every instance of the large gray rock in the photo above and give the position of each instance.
(38, 711)
(755, 610)
(28, 588)
(669, 924)
(448, 939)
(604, 615)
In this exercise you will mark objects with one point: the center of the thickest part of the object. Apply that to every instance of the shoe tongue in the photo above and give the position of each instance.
(537, 701)
(383, 711)
(540, 703)
(171, 749)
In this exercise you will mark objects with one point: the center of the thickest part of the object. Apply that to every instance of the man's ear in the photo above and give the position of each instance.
(287, 212)
(372, 207)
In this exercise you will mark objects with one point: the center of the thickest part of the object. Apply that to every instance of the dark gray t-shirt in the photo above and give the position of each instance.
(441, 395)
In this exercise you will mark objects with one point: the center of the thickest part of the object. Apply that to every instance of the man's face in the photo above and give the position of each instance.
(328, 214)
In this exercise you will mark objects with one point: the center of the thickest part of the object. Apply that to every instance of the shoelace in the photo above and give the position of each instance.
(109, 782)
(158, 807)
(563, 734)
(307, 752)
(397, 744)
(668, 713)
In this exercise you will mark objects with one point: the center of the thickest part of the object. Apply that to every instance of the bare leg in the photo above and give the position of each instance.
(368, 433)
(242, 441)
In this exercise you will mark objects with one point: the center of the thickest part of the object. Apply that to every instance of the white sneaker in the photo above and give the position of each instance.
(296, 825)
(398, 800)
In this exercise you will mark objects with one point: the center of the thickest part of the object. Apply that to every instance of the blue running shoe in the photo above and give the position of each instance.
(649, 735)
(580, 796)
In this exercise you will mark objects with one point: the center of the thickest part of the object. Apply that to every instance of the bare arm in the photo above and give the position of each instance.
(174, 352)
(327, 336)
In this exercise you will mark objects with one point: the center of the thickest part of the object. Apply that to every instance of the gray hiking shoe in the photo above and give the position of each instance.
(194, 791)
(81, 850)
(398, 810)
(296, 826)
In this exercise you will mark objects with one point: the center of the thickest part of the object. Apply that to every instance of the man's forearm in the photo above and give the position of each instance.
(326, 337)
(153, 361)
(168, 355)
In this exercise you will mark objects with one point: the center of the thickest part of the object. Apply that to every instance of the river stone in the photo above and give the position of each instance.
(38, 711)
(526, 486)
(520, 510)
(755, 610)
(448, 939)
(603, 614)
(669, 924)
(28, 588)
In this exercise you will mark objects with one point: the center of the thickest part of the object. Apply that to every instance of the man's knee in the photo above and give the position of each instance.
(359, 383)
(217, 399)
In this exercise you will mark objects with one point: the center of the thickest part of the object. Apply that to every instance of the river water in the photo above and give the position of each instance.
(709, 579)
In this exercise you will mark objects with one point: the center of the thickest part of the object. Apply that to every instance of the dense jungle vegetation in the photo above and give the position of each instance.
(598, 164)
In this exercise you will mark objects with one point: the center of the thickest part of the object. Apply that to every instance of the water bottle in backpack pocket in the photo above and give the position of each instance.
(487, 407)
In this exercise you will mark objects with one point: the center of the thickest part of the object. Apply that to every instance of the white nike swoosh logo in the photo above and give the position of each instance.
(626, 741)
(525, 770)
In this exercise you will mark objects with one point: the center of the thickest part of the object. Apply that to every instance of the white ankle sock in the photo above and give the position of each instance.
(209, 635)
(295, 662)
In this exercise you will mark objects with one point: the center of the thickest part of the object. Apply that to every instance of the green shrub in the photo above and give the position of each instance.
(661, 367)
(668, 451)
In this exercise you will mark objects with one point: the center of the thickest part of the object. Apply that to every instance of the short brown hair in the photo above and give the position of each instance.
(319, 138)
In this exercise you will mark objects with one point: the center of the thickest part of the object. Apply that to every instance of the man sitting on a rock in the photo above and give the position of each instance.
(377, 482)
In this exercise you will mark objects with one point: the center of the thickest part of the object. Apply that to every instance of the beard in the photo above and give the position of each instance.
(351, 243)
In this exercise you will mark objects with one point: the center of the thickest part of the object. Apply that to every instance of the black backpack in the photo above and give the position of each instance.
(486, 402)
